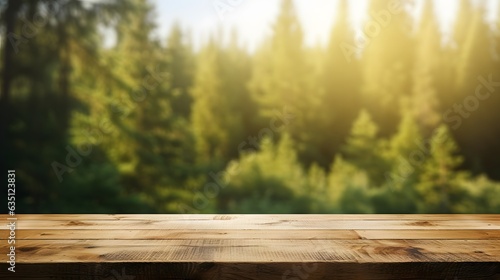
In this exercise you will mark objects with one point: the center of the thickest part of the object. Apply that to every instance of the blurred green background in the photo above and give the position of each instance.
(391, 117)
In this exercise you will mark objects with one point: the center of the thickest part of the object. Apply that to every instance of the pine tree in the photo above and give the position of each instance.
(462, 25)
(340, 102)
(130, 99)
(450, 87)
(180, 61)
(476, 104)
(439, 185)
(141, 126)
(349, 188)
(343, 177)
(216, 97)
(270, 180)
(143, 139)
(405, 154)
(387, 61)
(281, 77)
(44, 82)
(317, 188)
(424, 101)
(476, 51)
(364, 150)
(236, 72)
(483, 196)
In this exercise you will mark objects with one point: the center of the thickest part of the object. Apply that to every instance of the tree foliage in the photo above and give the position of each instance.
(394, 117)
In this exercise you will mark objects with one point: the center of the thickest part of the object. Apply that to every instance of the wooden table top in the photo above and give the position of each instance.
(254, 247)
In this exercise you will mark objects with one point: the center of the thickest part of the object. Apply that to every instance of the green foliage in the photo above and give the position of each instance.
(216, 96)
(424, 102)
(339, 89)
(348, 188)
(483, 196)
(439, 183)
(142, 125)
(405, 153)
(387, 61)
(282, 78)
(96, 188)
(364, 149)
(180, 64)
(271, 176)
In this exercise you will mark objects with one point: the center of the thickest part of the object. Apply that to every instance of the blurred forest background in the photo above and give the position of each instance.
(393, 120)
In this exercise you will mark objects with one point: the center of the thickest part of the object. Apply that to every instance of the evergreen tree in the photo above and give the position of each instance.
(439, 185)
(405, 154)
(342, 177)
(483, 196)
(146, 142)
(216, 96)
(317, 188)
(180, 61)
(387, 61)
(270, 180)
(237, 70)
(281, 77)
(340, 103)
(462, 25)
(424, 101)
(474, 56)
(44, 88)
(348, 188)
(476, 102)
(364, 150)
(143, 124)
(405, 157)
(454, 49)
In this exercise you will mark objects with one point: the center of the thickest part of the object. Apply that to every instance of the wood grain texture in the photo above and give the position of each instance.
(158, 234)
(255, 247)
(268, 223)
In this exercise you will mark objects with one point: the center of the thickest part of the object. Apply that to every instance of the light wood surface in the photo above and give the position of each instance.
(254, 247)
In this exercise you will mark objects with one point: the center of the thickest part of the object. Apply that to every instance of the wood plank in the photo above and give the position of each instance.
(275, 234)
(255, 247)
(257, 251)
(456, 234)
(243, 224)
(158, 234)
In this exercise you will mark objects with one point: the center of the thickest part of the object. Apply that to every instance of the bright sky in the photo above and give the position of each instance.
(253, 18)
